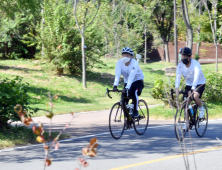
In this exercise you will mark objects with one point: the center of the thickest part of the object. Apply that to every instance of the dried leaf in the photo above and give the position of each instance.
(27, 121)
(72, 113)
(48, 162)
(93, 146)
(92, 153)
(93, 141)
(46, 147)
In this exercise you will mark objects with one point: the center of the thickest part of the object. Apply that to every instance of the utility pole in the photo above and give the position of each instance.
(175, 34)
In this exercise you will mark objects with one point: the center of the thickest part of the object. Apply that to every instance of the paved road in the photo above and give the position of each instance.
(158, 149)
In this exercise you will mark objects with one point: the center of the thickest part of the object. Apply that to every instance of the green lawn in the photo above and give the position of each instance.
(72, 96)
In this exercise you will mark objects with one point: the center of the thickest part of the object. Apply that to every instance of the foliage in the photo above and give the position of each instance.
(45, 138)
(59, 40)
(11, 35)
(213, 88)
(12, 92)
(196, 57)
(162, 89)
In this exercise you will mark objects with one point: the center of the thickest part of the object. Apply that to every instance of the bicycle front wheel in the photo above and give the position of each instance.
(179, 124)
(201, 123)
(116, 121)
(141, 123)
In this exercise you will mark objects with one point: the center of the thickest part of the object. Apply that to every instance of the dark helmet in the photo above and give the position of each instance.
(186, 51)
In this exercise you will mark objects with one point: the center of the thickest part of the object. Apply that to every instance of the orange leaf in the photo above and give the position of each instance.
(72, 113)
(46, 147)
(93, 141)
(27, 121)
(48, 162)
(92, 153)
(57, 146)
(93, 146)
(35, 130)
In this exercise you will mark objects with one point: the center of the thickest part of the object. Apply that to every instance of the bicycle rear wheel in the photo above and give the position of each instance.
(201, 123)
(180, 120)
(140, 124)
(116, 121)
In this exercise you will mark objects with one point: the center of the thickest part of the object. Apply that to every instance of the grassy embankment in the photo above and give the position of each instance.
(72, 97)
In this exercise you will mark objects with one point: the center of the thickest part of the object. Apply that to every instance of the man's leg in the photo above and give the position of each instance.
(134, 96)
(197, 99)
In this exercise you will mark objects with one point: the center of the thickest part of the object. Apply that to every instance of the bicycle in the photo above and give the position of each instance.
(120, 119)
(194, 120)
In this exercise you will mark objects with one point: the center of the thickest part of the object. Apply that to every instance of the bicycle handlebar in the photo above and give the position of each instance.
(107, 92)
(180, 92)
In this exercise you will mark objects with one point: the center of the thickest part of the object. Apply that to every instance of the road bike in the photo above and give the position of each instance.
(120, 118)
(181, 118)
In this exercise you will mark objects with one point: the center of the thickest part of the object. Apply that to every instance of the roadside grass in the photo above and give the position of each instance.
(166, 113)
(72, 96)
(20, 135)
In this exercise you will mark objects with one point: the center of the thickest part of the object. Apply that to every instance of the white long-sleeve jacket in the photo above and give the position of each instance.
(193, 74)
(131, 73)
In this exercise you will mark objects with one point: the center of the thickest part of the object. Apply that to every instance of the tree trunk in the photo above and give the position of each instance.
(198, 43)
(187, 23)
(145, 45)
(217, 57)
(83, 60)
(42, 50)
(166, 51)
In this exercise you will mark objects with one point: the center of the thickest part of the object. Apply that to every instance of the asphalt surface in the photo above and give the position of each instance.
(157, 149)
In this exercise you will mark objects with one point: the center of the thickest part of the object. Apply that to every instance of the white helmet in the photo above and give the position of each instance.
(127, 50)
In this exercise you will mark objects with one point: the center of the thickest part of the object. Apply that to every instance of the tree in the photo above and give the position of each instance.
(89, 11)
(213, 16)
(163, 17)
(187, 23)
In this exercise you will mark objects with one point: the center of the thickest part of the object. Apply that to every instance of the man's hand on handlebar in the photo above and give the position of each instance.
(115, 88)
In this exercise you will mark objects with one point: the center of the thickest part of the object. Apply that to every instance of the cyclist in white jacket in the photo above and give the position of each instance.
(133, 77)
(192, 73)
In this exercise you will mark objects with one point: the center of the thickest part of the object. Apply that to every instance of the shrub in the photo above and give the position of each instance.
(213, 88)
(196, 57)
(212, 93)
(161, 89)
(12, 92)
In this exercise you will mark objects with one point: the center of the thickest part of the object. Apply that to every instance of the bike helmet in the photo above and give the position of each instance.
(127, 50)
(186, 51)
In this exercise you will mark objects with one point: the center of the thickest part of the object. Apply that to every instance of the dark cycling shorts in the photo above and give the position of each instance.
(199, 89)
